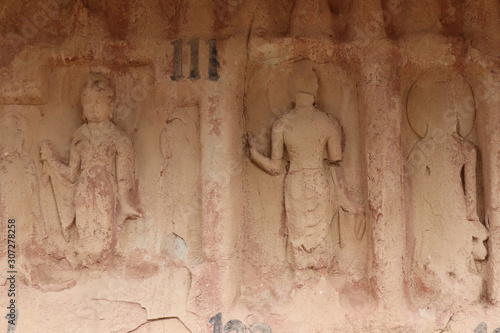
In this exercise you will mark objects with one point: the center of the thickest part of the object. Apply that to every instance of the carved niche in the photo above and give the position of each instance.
(94, 190)
(19, 181)
(310, 194)
(445, 234)
(307, 147)
(181, 149)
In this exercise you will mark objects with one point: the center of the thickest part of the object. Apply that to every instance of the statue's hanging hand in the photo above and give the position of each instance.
(47, 158)
(46, 153)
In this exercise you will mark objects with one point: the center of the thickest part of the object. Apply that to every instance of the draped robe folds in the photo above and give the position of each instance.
(311, 198)
(311, 205)
(105, 180)
(440, 234)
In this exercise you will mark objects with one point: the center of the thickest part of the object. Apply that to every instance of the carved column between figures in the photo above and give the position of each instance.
(380, 95)
(221, 137)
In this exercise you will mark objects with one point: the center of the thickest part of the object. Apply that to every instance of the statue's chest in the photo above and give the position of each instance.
(92, 146)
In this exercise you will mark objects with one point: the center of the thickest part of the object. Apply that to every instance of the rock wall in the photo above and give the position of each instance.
(250, 166)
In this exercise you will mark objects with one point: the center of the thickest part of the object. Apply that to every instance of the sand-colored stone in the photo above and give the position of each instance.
(250, 165)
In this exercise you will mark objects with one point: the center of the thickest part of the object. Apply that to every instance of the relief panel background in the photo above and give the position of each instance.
(236, 225)
(268, 97)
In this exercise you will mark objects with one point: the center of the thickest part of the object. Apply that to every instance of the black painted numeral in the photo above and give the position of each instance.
(483, 328)
(213, 62)
(194, 70)
(236, 326)
(177, 60)
(217, 322)
(260, 328)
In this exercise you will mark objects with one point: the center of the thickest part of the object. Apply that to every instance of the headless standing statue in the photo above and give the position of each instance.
(310, 193)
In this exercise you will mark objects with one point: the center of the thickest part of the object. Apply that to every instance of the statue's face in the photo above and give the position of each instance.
(97, 103)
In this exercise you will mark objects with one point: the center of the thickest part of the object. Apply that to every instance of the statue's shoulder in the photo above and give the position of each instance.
(281, 122)
(120, 137)
(329, 121)
(117, 130)
(81, 133)
(82, 129)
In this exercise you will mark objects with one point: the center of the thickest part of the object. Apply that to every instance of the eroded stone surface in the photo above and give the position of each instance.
(250, 165)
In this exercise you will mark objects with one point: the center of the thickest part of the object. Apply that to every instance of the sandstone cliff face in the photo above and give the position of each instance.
(250, 166)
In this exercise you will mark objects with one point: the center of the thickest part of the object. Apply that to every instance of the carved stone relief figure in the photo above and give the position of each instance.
(19, 182)
(181, 149)
(94, 190)
(302, 136)
(445, 234)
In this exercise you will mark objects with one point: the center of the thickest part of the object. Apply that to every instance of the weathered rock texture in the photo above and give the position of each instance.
(250, 165)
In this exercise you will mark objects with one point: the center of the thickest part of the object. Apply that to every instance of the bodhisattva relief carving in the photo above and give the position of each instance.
(300, 139)
(19, 182)
(181, 149)
(94, 190)
(445, 235)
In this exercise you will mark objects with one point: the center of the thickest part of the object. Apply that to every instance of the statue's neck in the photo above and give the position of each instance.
(98, 125)
(304, 100)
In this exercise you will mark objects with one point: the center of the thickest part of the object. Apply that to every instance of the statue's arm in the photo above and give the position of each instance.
(165, 139)
(68, 171)
(470, 181)
(335, 142)
(125, 168)
(125, 174)
(165, 143)
(272, 165)
(72, 171)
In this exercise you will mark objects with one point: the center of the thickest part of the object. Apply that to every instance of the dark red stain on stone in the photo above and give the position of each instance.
(212, 120)
(118, 18)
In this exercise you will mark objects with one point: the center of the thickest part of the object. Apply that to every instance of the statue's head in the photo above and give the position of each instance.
(98, 98)
(441, 99)
(14, 132)
(304, 79)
